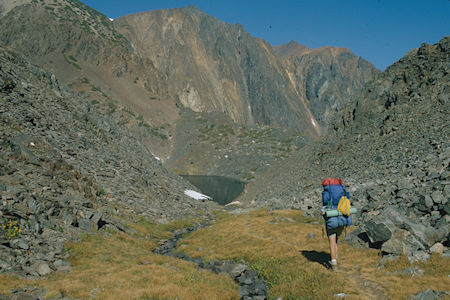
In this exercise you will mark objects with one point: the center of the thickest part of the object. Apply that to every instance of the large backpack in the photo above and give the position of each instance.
(335, 192)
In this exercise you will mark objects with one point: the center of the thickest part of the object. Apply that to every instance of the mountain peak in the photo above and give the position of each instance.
(6, 6)
(192, 9)
(290, 49)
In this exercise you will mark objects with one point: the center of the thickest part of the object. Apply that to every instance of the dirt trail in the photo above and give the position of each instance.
(369, 290)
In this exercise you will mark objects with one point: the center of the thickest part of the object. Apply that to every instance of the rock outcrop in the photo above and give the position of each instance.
(391, 146)
(326, 77)
(66, 169)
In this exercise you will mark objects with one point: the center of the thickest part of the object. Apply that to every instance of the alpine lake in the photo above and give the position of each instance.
(222, 190)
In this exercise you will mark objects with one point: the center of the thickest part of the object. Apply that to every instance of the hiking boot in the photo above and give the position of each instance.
(334, 267)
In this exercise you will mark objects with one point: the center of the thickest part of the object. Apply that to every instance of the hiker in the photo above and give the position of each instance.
(333, 190)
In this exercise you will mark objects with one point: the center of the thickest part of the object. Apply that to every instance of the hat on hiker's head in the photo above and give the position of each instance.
(331, 181)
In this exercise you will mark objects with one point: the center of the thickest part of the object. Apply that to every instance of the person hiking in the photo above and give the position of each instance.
(333, 190)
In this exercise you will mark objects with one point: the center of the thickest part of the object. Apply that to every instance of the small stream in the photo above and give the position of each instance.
(251, 286)
(222, 190)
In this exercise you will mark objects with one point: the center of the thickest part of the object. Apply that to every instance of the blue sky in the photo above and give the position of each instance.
(381, 31)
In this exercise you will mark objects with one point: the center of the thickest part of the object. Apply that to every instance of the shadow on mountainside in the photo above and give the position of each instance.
(321, 257)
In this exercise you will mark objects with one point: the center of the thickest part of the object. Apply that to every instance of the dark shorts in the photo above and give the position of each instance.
(337, 231)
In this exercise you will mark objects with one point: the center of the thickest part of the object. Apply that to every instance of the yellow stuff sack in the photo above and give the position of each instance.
(344, 206)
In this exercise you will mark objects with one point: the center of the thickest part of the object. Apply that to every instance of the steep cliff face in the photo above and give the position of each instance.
(326, 78)
(214, 66)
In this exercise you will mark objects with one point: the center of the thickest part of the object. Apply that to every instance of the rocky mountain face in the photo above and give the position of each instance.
(326, 77)
(214, 66)
(218, 67)
(66, 168)
(391, 147)
(82, 48)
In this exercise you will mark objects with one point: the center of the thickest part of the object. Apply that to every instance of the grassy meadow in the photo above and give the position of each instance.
(291, 252)
(286, 248)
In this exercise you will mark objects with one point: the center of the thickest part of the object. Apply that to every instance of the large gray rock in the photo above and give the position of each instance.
(395, 245)
(237, 270)
(418, 256)
(377, 232)
(437, 197)
(41, 268)
(437, 248)
(87, 225)
(425, 202)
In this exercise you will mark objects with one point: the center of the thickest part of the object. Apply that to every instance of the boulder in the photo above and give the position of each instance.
(425, 203)
(377, 232)
(437, 248)
(87, 225)
(402, 242)
(41, 268)
(22, 244)
(438, 197)
(414, 272)
(418, 256)
(395, 244)
(237, 270)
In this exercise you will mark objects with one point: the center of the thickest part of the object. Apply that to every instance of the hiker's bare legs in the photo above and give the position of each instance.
(333, 246)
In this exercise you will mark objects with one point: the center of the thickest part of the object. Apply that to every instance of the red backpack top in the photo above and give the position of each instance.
(331, 181)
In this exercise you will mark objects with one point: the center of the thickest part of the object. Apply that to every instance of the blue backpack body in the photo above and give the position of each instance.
(330, 199)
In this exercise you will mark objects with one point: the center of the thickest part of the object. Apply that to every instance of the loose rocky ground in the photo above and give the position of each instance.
(65, 169)
(391, 147)
(209, 144)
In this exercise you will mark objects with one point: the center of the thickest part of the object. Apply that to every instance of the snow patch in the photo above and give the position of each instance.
(234, 203)
(196, 195)
(314, 123)
(111, 19)
(157, 158)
